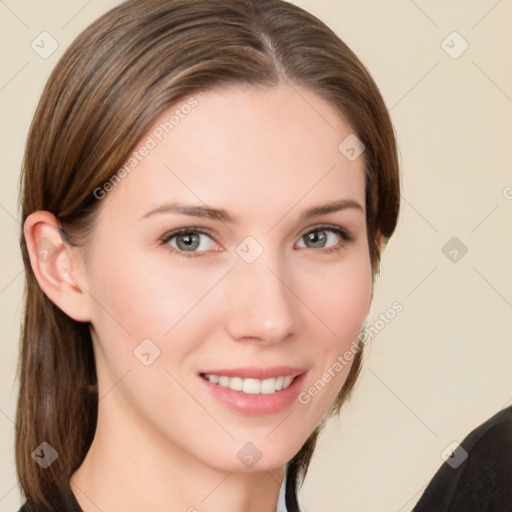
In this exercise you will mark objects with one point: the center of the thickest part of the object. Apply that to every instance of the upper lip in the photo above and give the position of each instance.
(253, 372)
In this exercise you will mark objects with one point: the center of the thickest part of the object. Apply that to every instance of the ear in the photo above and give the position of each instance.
(57, 266)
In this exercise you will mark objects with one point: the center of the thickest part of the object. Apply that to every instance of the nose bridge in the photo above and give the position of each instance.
(260, 305)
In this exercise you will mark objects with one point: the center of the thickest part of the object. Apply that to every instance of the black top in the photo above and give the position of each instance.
(64, 501)
(480, 482)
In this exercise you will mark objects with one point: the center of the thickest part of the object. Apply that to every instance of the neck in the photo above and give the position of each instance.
(128, 468)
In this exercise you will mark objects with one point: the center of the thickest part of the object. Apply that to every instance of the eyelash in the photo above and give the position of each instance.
(343, 233)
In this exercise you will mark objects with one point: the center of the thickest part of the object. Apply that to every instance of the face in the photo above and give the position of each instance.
(222, 291)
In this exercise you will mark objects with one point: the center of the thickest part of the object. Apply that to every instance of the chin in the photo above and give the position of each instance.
(252, 456)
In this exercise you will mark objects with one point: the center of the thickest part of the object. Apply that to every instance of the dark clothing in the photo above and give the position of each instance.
(60, 502)
(483, 481)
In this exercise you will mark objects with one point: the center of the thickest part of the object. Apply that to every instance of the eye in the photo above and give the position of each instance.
(323, 237)
(189, 240)
(192, 242)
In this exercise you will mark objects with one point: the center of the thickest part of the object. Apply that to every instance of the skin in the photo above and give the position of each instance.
(163, 442)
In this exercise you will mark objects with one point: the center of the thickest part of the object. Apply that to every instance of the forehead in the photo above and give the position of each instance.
(249, 149)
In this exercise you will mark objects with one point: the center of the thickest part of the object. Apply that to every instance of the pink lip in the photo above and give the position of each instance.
(257, 405)
(252, 372)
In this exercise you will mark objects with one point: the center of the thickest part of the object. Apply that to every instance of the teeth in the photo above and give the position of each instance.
(268, 386)
(251, 386)
(236, 383)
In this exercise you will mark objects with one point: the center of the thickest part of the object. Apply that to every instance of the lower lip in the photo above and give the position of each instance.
(256, 405)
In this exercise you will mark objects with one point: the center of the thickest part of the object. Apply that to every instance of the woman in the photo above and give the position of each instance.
(207, 188)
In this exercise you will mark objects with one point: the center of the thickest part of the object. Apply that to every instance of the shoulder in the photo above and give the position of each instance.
(481, 480)
(57, 506)
(499, 425)
(59, 501)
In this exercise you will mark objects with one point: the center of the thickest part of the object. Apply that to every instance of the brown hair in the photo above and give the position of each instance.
(105, 93)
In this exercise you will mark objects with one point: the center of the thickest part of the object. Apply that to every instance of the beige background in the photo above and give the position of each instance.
(442, 366)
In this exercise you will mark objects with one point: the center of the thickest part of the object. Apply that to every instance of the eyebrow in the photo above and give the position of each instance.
(224, 216)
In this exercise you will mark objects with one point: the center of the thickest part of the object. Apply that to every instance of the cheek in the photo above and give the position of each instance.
(354, 303)
(340, 298)
(143, 298)
(150, 312)
(146, 324)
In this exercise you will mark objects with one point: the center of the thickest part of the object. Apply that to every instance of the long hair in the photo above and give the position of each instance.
(104, 94)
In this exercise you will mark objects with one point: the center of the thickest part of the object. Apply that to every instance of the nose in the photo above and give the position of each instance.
(260, 304)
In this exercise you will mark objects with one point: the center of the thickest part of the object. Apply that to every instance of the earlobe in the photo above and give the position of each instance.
(56, 265)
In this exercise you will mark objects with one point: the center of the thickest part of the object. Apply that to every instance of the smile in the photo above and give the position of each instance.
(255, 391)
(251, 386)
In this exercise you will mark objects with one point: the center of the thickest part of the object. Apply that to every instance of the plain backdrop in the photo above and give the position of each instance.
(442, 365)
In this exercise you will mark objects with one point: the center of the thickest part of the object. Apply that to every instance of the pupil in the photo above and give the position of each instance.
(317, 238)
(189, 241)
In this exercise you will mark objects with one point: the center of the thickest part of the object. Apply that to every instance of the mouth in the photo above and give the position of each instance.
(251, 386)
(255, 391)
